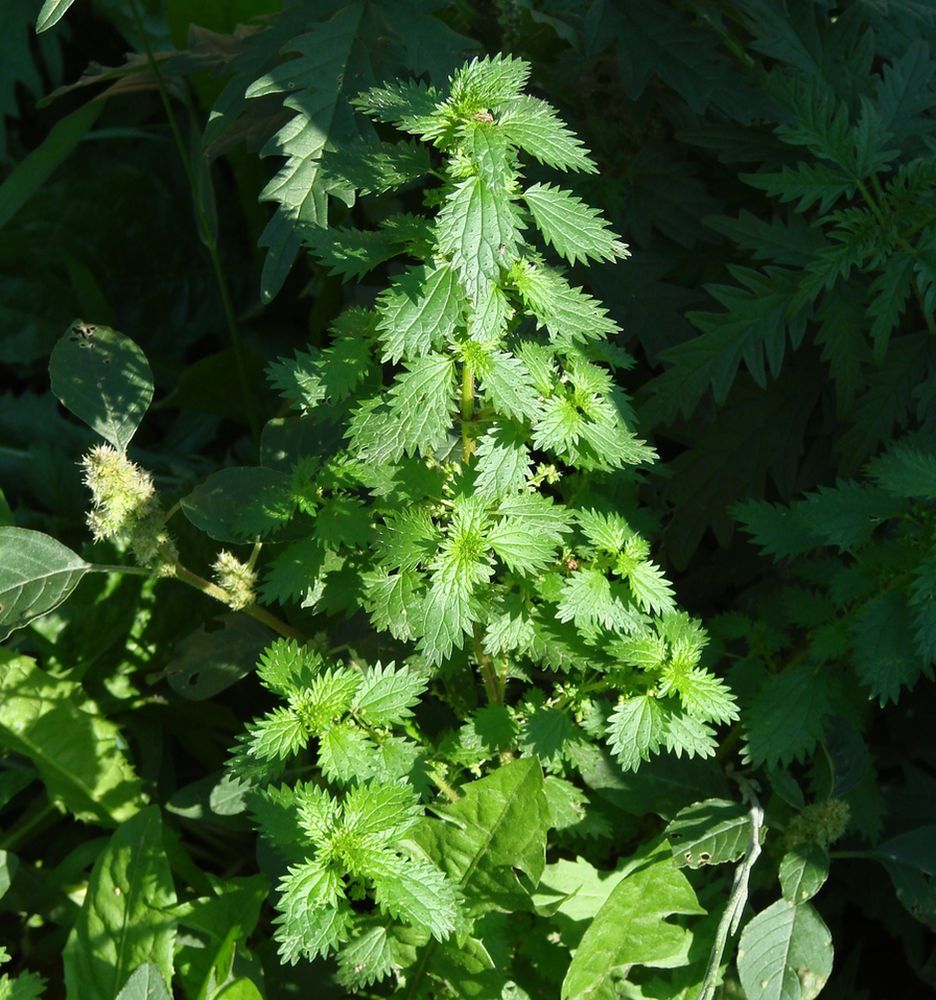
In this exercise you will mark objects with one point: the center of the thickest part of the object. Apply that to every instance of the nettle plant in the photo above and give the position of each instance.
(442, 472)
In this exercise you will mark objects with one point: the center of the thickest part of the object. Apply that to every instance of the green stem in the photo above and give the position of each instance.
(493, 690)
(204, 230)
(131, 570)
(731, 918)
(467, 411)
(444, 787)
(254, 611)
(30, 827)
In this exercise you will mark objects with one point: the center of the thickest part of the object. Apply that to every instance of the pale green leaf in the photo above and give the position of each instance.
(477, 229)
(636, 730)
(146, 983)
(631, 929)
(51, 12)
(278, 735)
(76, 751)
(416, 892)
(508, 387)
(387, 695)
(504, 461)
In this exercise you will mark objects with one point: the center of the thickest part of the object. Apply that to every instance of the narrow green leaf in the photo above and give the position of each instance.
(123, 921)
(28, 176)
(51, 12)
(785, 953)
(37, 573)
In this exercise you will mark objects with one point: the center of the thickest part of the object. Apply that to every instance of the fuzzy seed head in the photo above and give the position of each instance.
(121, 492)
(237, 579)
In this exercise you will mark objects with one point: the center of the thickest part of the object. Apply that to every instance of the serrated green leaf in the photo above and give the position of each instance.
(477, 229)
(417, 893)
(534, 126)
(569, 314)
(587, 600)
(366, 959)
(785, 953)
(489, 80)
(278, 735)
(636, 729)
(123, 921)
(576, 230)
(507, 385)
(906, 471)
(884, 655)
(419, 311)
(422, 400)
(786, 717)
(386, 695)
(503, 460)
(104, 379)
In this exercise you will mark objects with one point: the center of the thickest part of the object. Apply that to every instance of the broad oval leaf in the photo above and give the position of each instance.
(709, 833)
(910, 860)
(803, 872)
(497, 826)
(123, 921)
(785, 953)
(37, 573)
(240, 504)
(51, 13)
(215, 656)
(104, 379)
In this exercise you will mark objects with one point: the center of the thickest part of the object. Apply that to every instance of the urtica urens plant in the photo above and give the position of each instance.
(453, 420)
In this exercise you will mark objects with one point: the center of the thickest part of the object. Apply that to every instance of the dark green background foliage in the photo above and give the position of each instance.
(772, 166)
